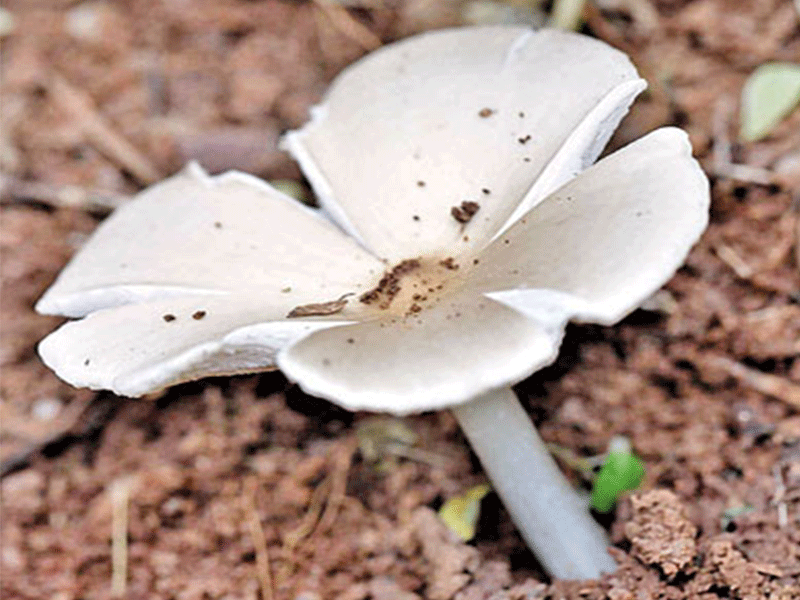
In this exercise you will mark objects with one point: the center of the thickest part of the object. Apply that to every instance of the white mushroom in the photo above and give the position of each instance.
(461, 227)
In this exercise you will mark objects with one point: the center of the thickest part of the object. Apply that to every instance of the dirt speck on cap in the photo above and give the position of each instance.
(317, 309)
(464, 213)
(389, 285)
(449, 263)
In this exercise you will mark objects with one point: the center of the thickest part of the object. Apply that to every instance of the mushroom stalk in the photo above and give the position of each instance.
(553, 519)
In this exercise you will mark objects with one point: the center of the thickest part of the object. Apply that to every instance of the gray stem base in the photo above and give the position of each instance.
(553, 519)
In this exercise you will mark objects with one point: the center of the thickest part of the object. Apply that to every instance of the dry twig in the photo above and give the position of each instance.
(341, 470)
(765, 383)
(99, 131)
(343, 22)
(723, 156)
(13, 190)
(23, 427)
(323, 507)
(263, 571)
(120, 492)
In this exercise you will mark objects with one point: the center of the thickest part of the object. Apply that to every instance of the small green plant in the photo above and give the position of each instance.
(621, 471)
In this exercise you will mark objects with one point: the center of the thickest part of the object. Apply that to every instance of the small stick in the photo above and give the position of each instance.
(338, 490)
(120, 492)
(737, 264)
(766, 383)
(348, 26)
(723, 157)
(17, 425)
(310, 519)
(14, 190)
(99, 131)
(263, 571)
(778, 499)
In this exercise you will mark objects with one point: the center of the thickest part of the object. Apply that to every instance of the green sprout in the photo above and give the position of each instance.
(621, 471)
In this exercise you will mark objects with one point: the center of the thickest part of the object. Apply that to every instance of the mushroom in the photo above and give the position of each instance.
(461, 227)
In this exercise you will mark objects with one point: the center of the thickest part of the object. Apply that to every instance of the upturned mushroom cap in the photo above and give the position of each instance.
(591, 251)
(411, 305)
(436, 119)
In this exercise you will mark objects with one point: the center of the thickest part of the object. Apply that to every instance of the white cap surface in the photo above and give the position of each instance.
(403, 307)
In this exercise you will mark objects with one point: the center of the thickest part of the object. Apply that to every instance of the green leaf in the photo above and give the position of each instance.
(621, 471)
(461, 513)
(769, 95)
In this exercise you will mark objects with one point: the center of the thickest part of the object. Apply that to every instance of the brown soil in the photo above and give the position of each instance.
(246, 488)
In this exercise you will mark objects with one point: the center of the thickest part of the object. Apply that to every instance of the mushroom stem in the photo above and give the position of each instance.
(554, 521)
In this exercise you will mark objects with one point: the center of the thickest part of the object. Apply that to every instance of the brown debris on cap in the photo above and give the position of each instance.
(389, 285)
(319, 309)
(464, 213)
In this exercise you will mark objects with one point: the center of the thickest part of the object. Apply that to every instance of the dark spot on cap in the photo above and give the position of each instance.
(326, 362)
(351, 341)
(86, 362)
(449, 263)
(217, 224)
(169, 318)
(527, 159)
(521, 115)
(486, 191)
(389, 285)
(420, 183)
(415, 217)
(475, 261)
(524, 139)
(485, 112)
(199, 315)
(465, 212)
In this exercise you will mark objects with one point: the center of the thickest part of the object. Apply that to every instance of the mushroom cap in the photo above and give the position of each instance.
(438, 118)
(461, 226)
(591, 251)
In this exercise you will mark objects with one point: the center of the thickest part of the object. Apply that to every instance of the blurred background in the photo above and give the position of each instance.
(245, 487)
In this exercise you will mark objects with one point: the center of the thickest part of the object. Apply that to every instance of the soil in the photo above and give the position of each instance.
(245, 487)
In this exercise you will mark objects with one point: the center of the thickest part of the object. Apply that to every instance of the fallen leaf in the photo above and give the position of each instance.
(769, 95)
(461, 513)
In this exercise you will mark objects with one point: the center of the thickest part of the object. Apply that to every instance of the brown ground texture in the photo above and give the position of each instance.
(247, 488)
